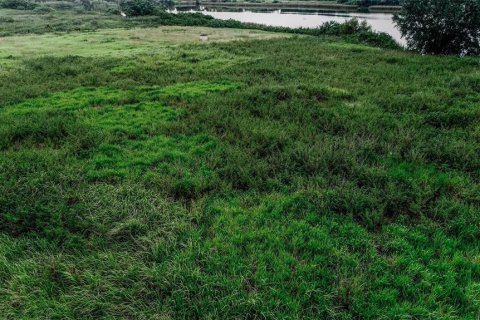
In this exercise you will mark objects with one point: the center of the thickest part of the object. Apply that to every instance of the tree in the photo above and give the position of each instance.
(138, 7)
(441, 26)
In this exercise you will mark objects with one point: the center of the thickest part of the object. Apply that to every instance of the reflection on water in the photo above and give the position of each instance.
(310, 18)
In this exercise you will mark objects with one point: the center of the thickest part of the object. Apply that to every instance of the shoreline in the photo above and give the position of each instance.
(305, 5)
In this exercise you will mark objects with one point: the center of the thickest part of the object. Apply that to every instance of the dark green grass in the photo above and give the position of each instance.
(308, 178)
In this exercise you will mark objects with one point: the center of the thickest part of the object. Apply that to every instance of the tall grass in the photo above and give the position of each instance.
(305, 178)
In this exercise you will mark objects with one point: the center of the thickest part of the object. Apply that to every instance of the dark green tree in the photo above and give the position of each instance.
(441, 26)
(138, 7)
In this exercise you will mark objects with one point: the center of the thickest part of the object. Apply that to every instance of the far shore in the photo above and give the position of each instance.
(320, 5)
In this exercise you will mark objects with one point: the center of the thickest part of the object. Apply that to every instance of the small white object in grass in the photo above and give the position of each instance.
(204, 37)
(123, 14)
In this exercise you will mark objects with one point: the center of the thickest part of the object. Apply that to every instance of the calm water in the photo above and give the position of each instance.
(289, 18)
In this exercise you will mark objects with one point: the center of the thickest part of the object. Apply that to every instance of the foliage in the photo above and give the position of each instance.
(138, 7)
(349, 27)
(17, 4)
(441, 27)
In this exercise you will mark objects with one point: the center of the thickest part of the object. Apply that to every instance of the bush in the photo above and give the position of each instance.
(17, 4)
(347, 28)
(441, 27)
(138, 7)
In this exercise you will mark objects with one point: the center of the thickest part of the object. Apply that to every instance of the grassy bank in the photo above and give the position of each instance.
(146, 175)
(13, 22)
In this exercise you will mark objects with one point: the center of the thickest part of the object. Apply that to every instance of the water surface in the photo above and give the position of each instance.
(293, 18)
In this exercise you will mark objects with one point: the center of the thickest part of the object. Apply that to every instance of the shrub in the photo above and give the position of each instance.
(376, 39)
(348, 27)
(137, 7)
(17, 4)
(441, 27)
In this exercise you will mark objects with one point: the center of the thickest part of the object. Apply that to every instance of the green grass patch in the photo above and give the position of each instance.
(290, 178)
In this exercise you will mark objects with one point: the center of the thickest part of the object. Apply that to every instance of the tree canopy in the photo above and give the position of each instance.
(441, 26)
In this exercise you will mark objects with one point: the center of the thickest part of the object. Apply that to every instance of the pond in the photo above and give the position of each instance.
(293, 18)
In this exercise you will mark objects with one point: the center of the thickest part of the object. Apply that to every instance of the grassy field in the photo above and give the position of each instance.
(117, 42)
(14, 22)
(145, 175)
